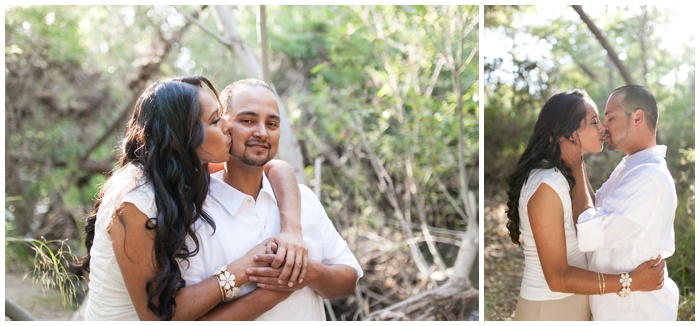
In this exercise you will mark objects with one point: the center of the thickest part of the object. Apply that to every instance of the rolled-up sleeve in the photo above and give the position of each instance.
(334, 248)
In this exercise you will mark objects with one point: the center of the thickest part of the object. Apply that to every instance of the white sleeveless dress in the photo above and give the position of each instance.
(534, 286)
(537, 301)
(108, 297)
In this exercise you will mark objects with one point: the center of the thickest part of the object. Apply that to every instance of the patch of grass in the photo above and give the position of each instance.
(681, 266)
(49, 267)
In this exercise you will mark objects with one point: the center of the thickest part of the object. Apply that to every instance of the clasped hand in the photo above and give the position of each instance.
(284, 264)
(269, 278)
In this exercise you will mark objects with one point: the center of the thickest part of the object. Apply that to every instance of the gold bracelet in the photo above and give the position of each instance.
(626, 281)
(603, 277)
(227, 283)
(223, 295)
(600, 285)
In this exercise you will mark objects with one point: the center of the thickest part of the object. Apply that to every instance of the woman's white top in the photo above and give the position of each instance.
(108, 297)
(534, 286)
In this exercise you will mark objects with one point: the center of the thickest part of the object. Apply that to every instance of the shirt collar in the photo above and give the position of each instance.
(228, 197)
(231, 198)
(643, 155)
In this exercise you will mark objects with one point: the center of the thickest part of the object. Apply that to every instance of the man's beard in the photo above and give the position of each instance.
(254, 161)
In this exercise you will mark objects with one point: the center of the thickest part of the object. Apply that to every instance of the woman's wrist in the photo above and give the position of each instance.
(290, 227)
(632, 286)
(238, 268)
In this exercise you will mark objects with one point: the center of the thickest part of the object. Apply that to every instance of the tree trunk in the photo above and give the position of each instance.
(245, 58)
(606, 45)
(14, 312)
(262, 34)
(643, 44)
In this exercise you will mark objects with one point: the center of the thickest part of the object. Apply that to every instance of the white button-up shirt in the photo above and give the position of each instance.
(632, 223)
(242, 223)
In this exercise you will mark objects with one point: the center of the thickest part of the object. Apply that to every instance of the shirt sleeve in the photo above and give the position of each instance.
(143, 198)
(622, 215)
(334, 248)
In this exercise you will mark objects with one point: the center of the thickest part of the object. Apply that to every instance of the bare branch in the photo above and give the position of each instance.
(192, 19)
(606, 45)
(148, 67)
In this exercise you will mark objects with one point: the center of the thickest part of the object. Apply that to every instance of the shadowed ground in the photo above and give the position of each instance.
(42, 305)
(503, 263)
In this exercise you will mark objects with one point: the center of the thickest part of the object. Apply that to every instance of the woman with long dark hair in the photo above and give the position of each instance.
(556, 282)
(142, 228)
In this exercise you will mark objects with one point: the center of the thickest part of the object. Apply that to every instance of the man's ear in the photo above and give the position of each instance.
(638, 118)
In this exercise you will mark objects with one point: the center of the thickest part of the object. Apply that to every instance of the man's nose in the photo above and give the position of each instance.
(260, 131)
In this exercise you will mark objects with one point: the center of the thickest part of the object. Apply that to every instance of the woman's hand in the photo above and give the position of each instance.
(239, 266)
(291, 255)
(648, 276)
(571, 150)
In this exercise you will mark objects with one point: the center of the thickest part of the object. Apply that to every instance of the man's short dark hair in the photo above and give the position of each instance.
(639, 97)
(228, 92)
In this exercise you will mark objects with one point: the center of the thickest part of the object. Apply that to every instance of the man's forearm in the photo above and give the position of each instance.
(333, 281)
(247, 307)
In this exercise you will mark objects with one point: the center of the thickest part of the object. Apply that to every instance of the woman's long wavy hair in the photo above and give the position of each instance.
(162, 138)
(560, 116)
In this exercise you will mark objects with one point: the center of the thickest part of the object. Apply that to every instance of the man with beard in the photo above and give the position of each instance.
(632, 218)
(244, 207)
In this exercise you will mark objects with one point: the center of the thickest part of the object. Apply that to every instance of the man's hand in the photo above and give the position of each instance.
(268, 277)
(291, 255)
(571, 150)
(328, 281)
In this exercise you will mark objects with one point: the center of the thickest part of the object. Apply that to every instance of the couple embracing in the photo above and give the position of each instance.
(598, 255)
(168, 241)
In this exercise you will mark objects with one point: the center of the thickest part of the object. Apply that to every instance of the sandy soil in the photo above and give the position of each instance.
(503, 263)
(43, 305)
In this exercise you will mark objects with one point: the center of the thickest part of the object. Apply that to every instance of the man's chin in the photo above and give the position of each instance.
(255, 161)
